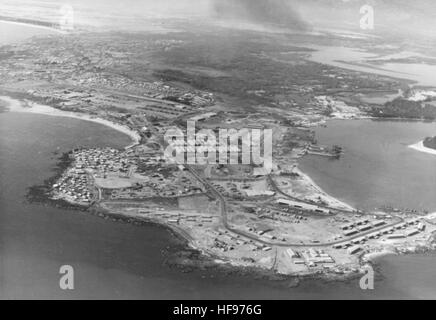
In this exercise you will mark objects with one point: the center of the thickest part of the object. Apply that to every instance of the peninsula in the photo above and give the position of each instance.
(237, 214)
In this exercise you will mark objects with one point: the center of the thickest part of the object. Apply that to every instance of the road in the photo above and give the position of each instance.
(223, 206)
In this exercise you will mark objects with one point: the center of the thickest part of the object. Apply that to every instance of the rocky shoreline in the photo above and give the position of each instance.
(41, 193)
(182, 256)
(187, 258)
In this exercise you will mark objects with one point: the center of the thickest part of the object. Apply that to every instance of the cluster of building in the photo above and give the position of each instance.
(396, 233)
(263, 231)
(336, 108)
(303, 206)
(161, 90)
(103, 161)
(421, 95)
(100, 90)
(289, 215)
(361, 225)
(225, 241)
(231, 191)
(177, 218)
(160, 186)
(108, 102)
(410, 228)
(310, 257)
(73, 186)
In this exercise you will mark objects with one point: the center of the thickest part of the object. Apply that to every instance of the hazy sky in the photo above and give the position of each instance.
(417, 16)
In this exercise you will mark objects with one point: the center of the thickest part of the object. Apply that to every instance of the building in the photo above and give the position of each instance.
(362, 221)
(378, 223)
(350, 232)
(292, 254)
(260, 172)
(354, 249)
(347, 226)
(364, 228)
(412, 232)
(203, 116)
(254, 193)
(396, 236)
(358, 240)
(302, 205)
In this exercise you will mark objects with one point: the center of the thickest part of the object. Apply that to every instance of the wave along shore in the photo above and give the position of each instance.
(15, 105)
(421, 148)
(332, 201)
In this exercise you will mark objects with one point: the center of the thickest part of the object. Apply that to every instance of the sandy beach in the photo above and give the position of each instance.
(17, 106)
(330, 199)
(420, 147)
(373, 256)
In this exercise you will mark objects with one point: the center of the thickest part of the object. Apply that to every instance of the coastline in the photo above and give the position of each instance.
(421, 148)
(331, 199)
(33, 25)
(14, 105)
(192, 257)
(374, 256)
(187, 257)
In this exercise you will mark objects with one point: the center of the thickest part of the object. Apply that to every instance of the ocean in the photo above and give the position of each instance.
(377, 168)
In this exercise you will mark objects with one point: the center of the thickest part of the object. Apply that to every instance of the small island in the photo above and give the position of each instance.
(430, 143)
